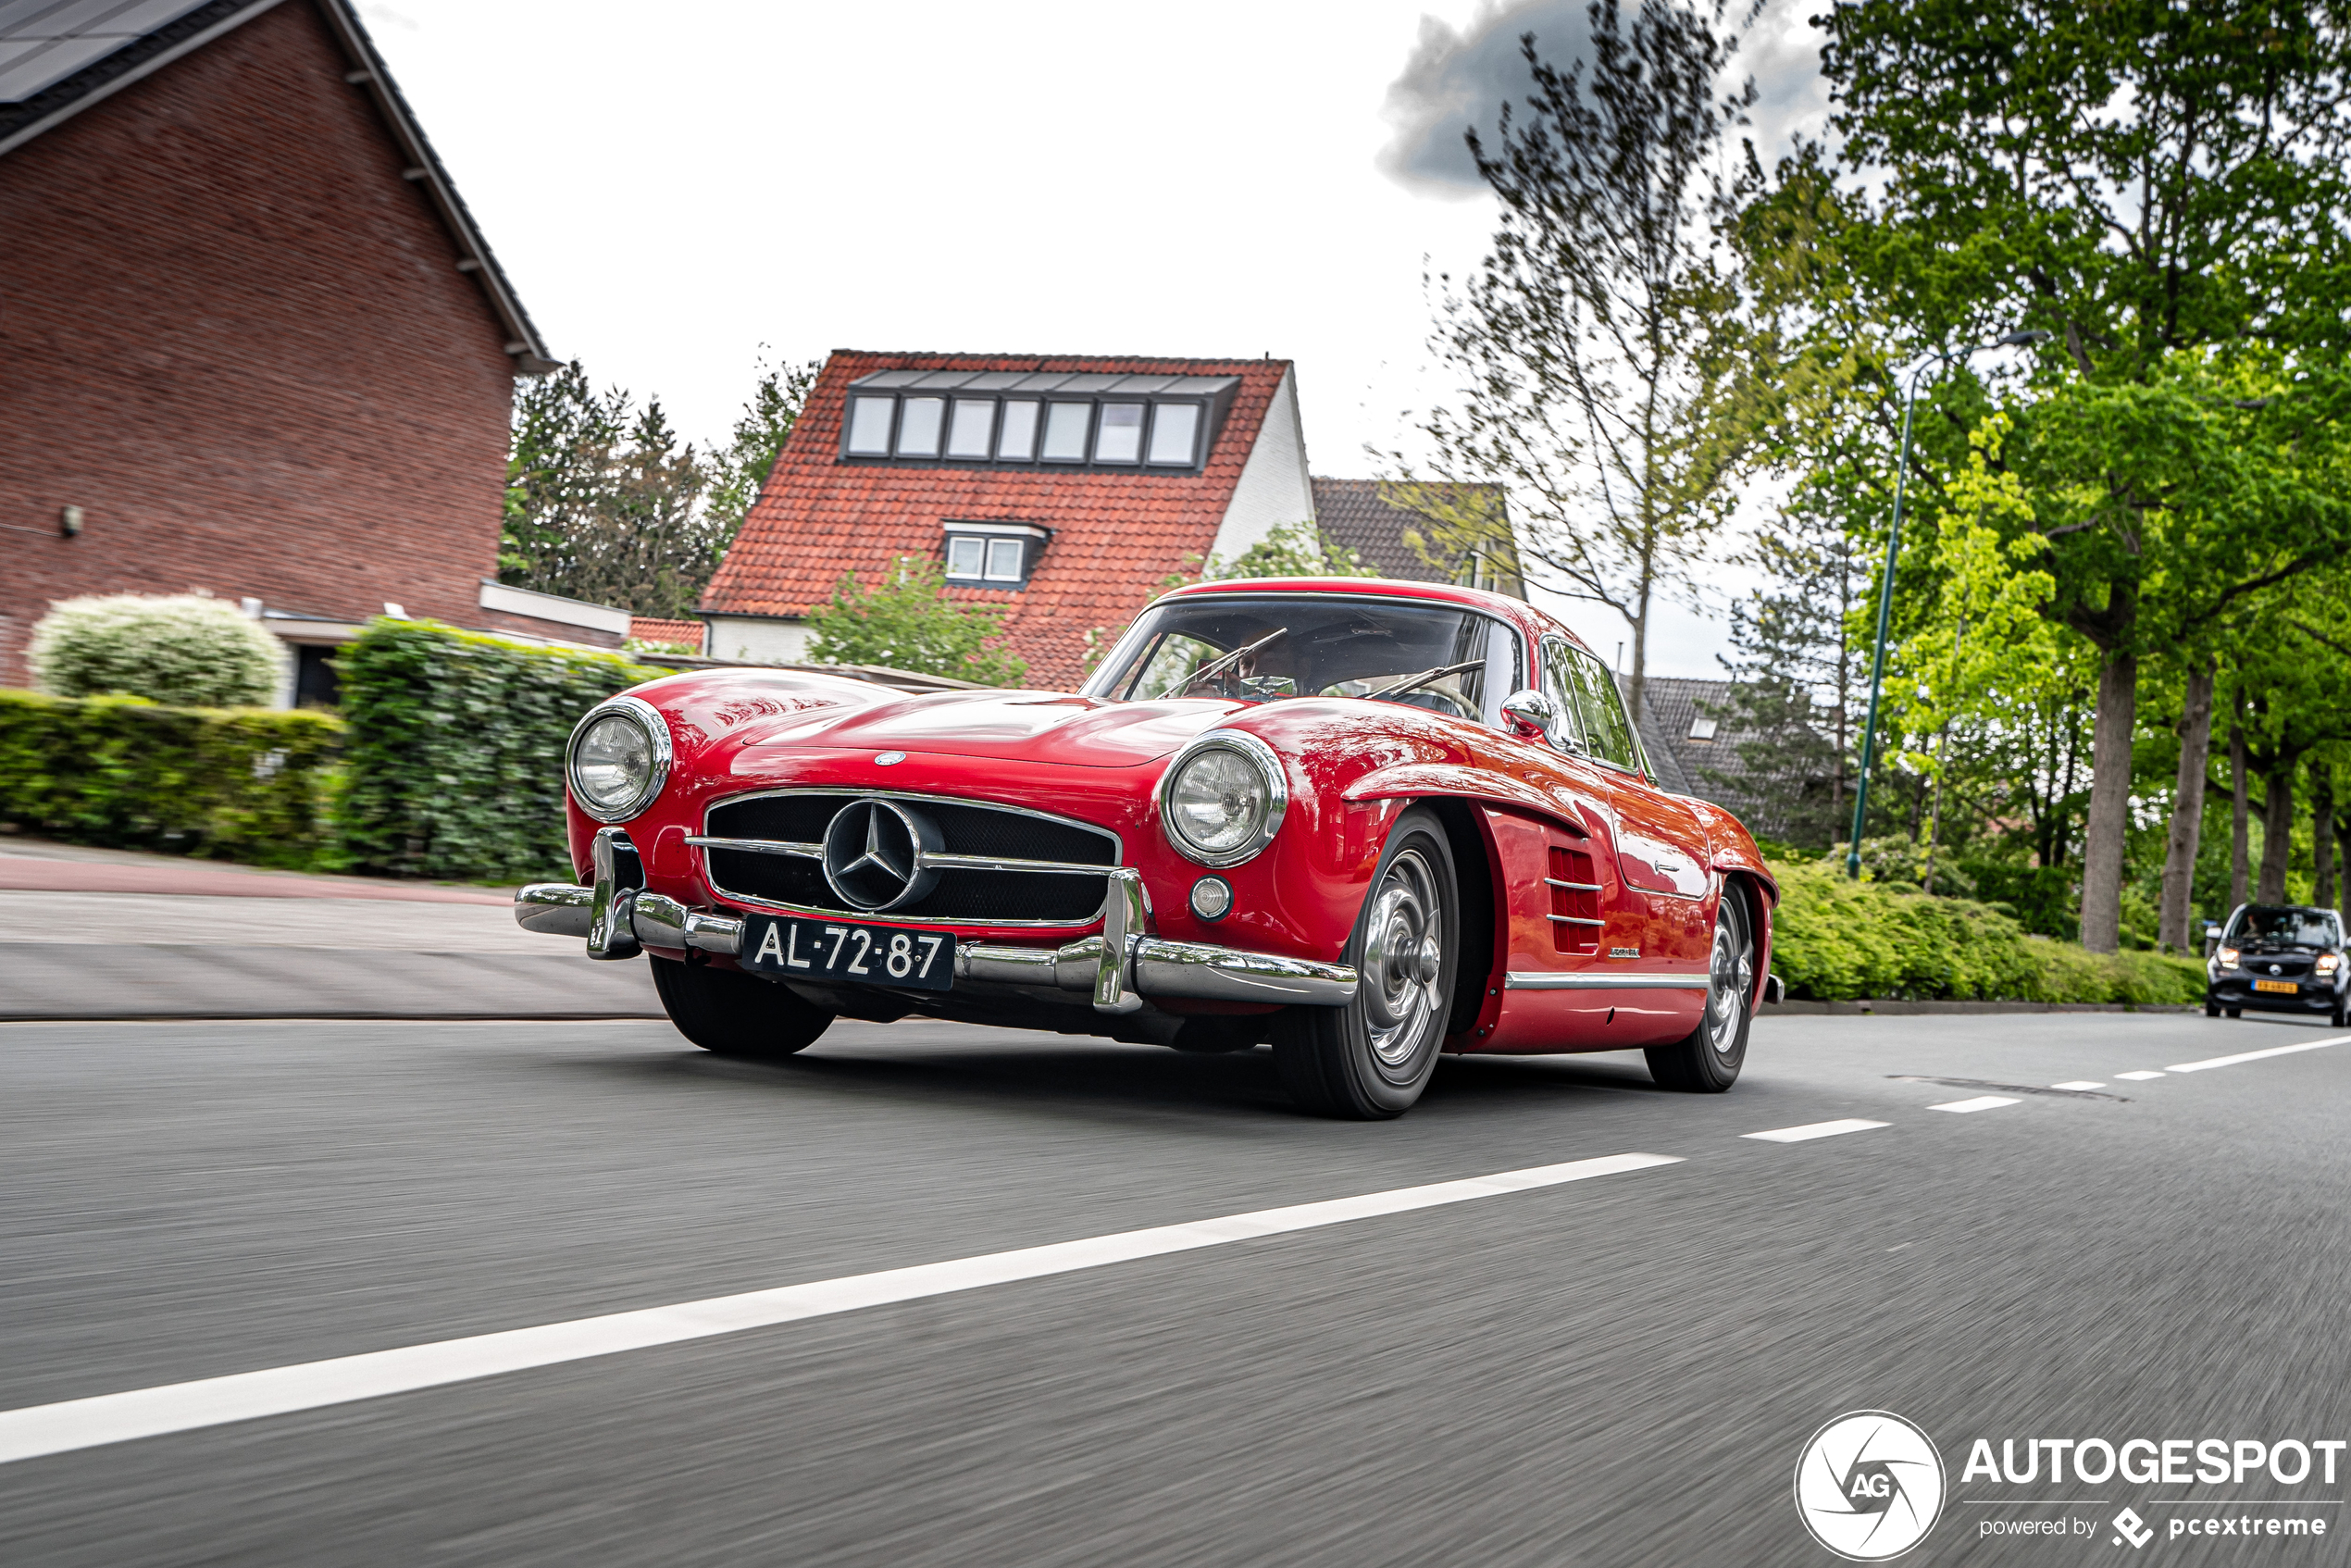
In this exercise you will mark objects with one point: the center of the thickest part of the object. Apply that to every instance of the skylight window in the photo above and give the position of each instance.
(1173, 433)
(1017, 442)
(1119, 438)
(918, 422)
(1065, 431)
(997, 417)
(869, 426)
(974, 421)
(1702, 729)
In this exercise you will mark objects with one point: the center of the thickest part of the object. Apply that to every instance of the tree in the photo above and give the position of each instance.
(1790, 647)
(603, 500)
(1598, 380)
(907, 621)
(740, 468)
(1290, 549)
(2144, 180)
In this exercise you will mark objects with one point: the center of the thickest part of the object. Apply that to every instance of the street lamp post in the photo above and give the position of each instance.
(1886, 588)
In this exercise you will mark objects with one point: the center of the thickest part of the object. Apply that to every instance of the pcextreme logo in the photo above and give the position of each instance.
(1869, 1486)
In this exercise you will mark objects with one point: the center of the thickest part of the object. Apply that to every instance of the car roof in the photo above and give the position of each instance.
(1517, 612)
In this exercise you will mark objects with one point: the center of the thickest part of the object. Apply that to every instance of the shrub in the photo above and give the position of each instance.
(234, 784)
(907, 622)
(182, 650)
(1835, 939)
(456, 755)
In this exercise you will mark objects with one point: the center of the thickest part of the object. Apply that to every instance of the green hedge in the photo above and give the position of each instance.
(1834, 940)
(455, 754)
(248, 784)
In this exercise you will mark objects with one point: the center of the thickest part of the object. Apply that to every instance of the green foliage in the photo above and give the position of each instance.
(246, 784)
(1834, 940)
(739, 468)
(456, 750)
(179, 648)
(1290, 549)
(907, 622)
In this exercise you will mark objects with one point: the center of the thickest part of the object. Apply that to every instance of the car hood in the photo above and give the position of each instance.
(1040, 726)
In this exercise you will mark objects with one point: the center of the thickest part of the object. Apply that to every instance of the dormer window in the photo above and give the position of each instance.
(964, 419)
(993, 554)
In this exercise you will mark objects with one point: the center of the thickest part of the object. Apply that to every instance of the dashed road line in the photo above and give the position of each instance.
(1814, 1129)
(2138, 1077)
(2077, 1084)
(2252, 1055)
(213, 1401)
(1981, 1102)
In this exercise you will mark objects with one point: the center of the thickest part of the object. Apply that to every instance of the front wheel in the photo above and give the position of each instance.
(733, 1014)
(1709, 1061)
(1370, 1059)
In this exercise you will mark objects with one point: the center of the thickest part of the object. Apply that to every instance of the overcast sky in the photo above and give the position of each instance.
(673, 188)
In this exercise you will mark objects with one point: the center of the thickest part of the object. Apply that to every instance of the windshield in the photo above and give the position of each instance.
(2264, 924)
(1433, 657)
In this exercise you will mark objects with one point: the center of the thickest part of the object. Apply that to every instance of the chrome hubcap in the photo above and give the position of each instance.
(1404, 951)
(1730, 975)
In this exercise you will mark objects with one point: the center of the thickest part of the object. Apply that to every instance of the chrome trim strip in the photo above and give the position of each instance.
(1200, 971)
(1553, 881)
(660, 921)
(758, 846)
(1542, 980)
(1573, 920)
(1117, 845)
(994, 863)
(812, 912)
(553, 909)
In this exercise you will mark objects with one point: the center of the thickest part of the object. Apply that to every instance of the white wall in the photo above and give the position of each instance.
(1273, 488)
(756, 640)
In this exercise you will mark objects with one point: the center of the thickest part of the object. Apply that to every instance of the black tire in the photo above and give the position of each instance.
(1707, 1061)
(2212, 1009)
(2234, 1012)
(733, 1014)
(1370, 1060)
(2341, 1016)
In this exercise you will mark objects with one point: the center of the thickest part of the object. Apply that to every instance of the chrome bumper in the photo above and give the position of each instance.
(1122, 967)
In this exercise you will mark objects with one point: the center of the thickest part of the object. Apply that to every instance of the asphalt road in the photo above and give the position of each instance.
(1618, 1370)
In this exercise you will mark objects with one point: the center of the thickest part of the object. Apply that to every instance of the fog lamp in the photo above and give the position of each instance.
(1212, 898)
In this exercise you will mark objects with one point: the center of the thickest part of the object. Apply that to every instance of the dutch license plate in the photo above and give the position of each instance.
(800, 948)
(2284, 988)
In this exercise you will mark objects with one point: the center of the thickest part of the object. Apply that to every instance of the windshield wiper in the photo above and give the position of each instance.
(1216, 667)
(1423, 678)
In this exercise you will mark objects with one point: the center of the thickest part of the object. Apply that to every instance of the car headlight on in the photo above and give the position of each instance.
(1221, 798)
(2226, 957)
(618, 759)
(2327, 962)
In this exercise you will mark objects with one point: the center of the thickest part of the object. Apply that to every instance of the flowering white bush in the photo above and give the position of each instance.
(182, 650)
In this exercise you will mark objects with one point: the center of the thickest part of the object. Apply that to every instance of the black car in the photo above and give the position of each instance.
(2279, 958)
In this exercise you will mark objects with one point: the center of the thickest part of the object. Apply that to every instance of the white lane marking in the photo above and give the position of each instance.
(2139, 1077)
(212, 1401)
(1981, 1102)
(1814, 1129)
(2077, 1084)
(2253, 1055)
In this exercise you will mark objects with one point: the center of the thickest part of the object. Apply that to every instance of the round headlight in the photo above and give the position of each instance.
(1223, 798)
(619, 759)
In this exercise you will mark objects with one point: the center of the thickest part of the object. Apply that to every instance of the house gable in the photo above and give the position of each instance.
(1110, 538)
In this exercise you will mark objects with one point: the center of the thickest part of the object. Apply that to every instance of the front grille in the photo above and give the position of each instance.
(961, 895)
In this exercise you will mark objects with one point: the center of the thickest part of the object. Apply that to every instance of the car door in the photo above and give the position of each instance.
(1661, 854)
(1562, 904)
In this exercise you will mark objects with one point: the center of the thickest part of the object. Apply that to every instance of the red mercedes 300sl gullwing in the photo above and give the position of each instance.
(1364, 821)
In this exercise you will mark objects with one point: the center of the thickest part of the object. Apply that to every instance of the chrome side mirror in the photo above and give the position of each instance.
(1530, 714)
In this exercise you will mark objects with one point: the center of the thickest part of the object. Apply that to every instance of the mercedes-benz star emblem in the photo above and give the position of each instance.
(874, 854)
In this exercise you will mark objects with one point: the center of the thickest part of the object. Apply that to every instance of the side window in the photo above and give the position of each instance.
(1505, 669)
(1559, 685)
(1607, 733)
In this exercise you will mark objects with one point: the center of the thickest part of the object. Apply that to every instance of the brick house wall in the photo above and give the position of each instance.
(237, 338)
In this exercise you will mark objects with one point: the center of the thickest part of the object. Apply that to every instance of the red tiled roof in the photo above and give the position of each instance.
(642, 628)
(1116, 536)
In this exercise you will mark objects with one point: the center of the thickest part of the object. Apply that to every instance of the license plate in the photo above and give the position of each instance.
(2284, 988)
(793, 949)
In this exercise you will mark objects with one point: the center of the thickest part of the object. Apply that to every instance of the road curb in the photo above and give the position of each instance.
(1893, 1008)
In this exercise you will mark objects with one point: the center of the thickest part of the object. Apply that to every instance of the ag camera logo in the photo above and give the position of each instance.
(1869, 1486)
